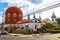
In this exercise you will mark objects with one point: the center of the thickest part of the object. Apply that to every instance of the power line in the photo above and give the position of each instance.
(44, 9)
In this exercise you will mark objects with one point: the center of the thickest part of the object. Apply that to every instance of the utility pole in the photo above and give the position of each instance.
(2, 20)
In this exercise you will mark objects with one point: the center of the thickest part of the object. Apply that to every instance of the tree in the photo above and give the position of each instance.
(57, 27)
(58, 20)
(6, 27)
(49, 26)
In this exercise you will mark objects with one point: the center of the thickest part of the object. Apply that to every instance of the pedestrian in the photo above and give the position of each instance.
(40, 32)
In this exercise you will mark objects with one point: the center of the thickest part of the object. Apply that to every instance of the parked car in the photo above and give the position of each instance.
(3, 32)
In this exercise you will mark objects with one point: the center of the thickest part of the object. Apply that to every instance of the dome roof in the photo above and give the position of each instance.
(13, 15)
(14, 9)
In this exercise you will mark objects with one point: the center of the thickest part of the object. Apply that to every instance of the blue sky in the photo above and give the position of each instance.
(3, 5)
(29, 6)
(35, 1)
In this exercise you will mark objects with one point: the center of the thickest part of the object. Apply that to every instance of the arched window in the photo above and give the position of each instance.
(14, 14)
(8, 14)
(20, 15)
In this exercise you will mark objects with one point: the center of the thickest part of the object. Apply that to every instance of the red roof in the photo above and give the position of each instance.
(23, 21)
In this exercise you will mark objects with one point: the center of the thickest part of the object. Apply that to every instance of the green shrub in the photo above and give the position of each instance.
(6, 27)
(18, 31)
(57, 27)
(54, 31)
(50, 26)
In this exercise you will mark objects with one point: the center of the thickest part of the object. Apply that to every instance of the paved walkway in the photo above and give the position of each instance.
(44, 37)
(32, 35)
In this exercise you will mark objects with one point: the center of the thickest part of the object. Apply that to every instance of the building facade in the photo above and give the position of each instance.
(14, 18)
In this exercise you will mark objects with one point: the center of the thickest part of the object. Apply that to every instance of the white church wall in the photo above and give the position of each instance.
(30, 25)
(6, 25)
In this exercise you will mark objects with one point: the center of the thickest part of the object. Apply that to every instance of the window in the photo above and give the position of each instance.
(20, 15)
(35, 26)
(8, 14)
(14, 14)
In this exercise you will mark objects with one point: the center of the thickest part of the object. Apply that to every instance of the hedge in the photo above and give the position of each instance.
(54, 31)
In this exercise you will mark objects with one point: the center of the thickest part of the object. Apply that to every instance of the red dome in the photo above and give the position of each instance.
(11, 18)
(14, 9)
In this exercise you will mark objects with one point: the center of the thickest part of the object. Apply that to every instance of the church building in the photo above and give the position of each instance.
(14, 16)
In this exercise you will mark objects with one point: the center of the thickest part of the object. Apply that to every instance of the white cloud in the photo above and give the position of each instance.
(22, 3)
(48, 13)
(32, 7)
(57, 11)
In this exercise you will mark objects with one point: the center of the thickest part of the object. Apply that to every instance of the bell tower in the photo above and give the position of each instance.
(53, 17)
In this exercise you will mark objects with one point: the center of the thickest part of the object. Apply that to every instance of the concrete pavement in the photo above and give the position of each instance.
(31, 35)
(44, 37)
